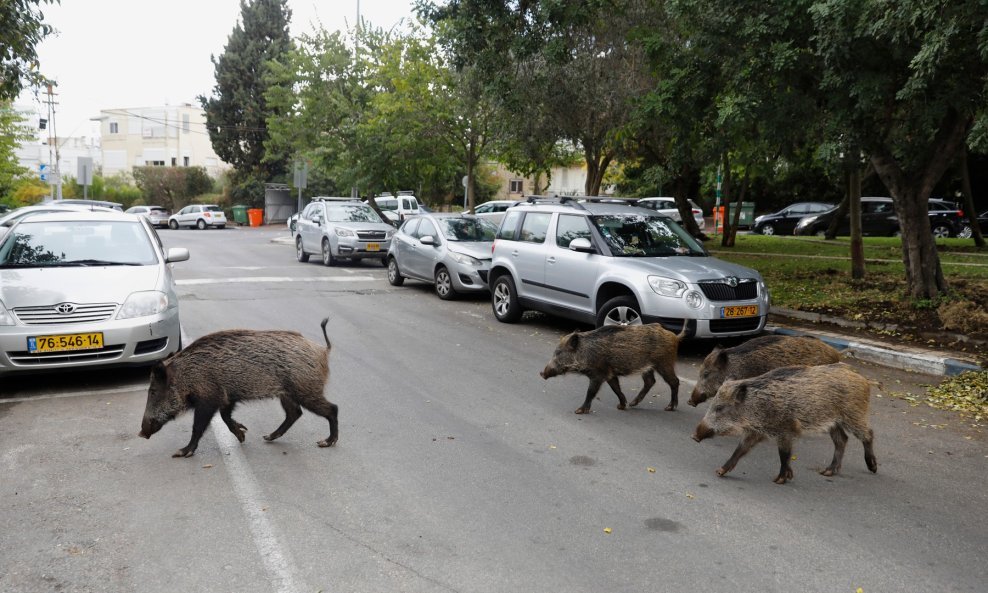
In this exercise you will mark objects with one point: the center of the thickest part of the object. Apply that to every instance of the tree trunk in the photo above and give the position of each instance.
(732, 231)
(969, 212)
(680, 191)
(725, 196)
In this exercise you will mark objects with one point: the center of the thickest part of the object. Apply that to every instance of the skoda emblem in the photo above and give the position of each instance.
(731, 281)
(65, 308)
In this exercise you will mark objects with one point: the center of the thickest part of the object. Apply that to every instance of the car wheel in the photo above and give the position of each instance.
(221, 226)
(504, 300)
(622, 310)
(394, 274)
(965, 232)
(941, 231)
(173, 225)
(201, 224)
(768, 230)
(300, 253)
(444, 284)
(384, 262)
(327, 254)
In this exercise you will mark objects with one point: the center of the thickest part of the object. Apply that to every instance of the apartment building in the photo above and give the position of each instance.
(168, 136)
(564, 181)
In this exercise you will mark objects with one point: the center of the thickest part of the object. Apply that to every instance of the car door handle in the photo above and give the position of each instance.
(514, 253)
(550, 260)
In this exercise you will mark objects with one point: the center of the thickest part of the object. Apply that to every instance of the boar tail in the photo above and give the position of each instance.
(325, 335)
(682, 332)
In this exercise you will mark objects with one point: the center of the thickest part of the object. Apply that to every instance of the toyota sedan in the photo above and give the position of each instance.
(86, 289)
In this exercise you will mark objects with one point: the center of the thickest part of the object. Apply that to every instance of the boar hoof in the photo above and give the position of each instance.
(622, 406)
(327, 442)
(783, 477)
(239, 433)
(722, 471)
(184, 453)
(269, 437)
(828, 472)
(671, 408)
(582, 411)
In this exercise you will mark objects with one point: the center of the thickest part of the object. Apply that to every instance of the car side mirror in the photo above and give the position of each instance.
(581, 245)
(176, 254)
(428, 240)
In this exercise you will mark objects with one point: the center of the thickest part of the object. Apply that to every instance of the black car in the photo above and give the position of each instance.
(965, 232)
(878, 218)
(784, 221)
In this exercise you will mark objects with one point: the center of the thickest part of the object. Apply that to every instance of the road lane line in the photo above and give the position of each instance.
(275, 558)
(32, 398)
(247, 279)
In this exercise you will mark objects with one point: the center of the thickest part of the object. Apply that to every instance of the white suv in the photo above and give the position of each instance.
(345, 228)
(605, 263)
(667, 207)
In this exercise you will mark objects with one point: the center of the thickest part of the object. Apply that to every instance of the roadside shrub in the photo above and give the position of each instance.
(964, 317)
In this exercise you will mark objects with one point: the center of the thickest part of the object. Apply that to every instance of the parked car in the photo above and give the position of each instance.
(85, 289)
(784, 221)
(667, 207)
(99, 203)
(493, 210)
(878, 218)
(11, 218)
(201, 216)
(404, 204)
(947, 219)
(450, 251)
(342, 228)
(606, 263)
(965, 232)
(156, 215)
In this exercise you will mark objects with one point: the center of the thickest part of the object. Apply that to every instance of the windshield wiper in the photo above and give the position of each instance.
(93, 262)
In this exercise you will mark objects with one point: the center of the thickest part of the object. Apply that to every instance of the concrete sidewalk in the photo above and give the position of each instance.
(911, 358)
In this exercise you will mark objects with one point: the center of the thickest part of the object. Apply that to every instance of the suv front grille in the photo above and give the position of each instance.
(371, 235)
(49, 315)
(726, 326)
(746, 289)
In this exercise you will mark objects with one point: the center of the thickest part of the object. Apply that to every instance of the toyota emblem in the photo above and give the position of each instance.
(65, 308)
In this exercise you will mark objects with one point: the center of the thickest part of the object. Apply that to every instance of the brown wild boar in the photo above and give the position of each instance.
(787, 402)
(757, 357)
(222, 369)
(614, 351)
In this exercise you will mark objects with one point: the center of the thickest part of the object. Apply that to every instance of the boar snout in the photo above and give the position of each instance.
(696, 398)
(548, 372)
(703, 432)
(149, 426)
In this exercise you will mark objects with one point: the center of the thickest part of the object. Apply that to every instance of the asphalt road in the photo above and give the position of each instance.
(458, 467)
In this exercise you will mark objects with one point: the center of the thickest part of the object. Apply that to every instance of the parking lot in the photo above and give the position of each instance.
(458, 468)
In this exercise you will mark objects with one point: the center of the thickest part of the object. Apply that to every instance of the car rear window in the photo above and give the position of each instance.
(212, 209)
(509, 226)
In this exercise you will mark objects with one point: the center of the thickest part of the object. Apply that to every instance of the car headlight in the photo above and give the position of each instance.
(5, 317)
(694, 299)
(340, 232)
(389, 234)
(667, 286)
(465, 260)
(143, 304)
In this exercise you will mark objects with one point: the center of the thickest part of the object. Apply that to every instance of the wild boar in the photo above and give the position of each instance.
(613, 351)
(756, 357)
(787, 402)
(222, 369)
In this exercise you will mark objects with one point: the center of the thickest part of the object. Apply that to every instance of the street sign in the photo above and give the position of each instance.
(85, 173)
(43, 169)
(301, 174)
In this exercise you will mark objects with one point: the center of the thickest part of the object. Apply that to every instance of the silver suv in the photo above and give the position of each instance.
(336, 228)
(606, 263)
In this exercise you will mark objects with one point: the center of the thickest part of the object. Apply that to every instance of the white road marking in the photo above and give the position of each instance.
(279, 279)
(32, 398)
(275, 558)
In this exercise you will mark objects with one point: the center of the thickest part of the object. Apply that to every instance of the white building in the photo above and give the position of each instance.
(169, 136)
(45, 150)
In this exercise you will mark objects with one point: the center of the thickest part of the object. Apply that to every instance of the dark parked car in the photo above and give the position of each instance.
(878, 218)
(784, 221)
(965, 232)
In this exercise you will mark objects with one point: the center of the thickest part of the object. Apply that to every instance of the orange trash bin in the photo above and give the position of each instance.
(255, 216)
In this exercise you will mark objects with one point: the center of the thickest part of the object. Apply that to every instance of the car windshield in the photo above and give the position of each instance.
(467, 229)
(76, 243)
(351, 213)
(639, 235)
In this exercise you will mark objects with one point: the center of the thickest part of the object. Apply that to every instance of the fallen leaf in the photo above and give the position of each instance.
(689, 495)
(651, 470)
(794, 458)
(207, 466)
(607, 530)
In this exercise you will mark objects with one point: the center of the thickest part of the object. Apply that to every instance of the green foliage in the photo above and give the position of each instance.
(12, 132)
(26, 191)
(22, 28)
(237, 112)
(172, 187)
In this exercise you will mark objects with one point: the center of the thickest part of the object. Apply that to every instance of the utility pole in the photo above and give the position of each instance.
(356, 64)
(53, 146)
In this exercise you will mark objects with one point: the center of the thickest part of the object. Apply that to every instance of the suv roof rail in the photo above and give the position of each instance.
(610, 200)
(561, 200)
(406, 192)
(333, 199)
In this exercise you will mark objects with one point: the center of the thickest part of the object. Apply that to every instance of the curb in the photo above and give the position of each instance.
(910, 359)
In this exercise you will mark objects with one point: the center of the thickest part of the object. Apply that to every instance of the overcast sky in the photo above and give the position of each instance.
(144, 53)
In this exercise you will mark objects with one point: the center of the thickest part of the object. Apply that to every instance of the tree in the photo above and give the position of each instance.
(13, 131)
(905, 80)
(22, 28)
(237, 112)
(171, 187)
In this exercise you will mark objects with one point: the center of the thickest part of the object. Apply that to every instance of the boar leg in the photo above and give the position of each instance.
(591, 393)
(204, 413)
(320, 406)
(292, 413)
(749, 440)
(668, 373)
(840, 441)
(867, 437)
(238, 429)
(616, 386)
(785, 455)
(649, 378)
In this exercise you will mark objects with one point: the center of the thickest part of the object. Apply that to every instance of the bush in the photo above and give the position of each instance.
(964, 317)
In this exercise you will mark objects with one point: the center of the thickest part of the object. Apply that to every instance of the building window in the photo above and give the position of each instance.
(155, 163)
(185, 123)
(185, 161)
(114, 127)
(515, 186)
(174, 161)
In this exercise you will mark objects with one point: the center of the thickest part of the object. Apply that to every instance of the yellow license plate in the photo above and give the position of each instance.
(64, 343)
(740, 311)
(373, 247)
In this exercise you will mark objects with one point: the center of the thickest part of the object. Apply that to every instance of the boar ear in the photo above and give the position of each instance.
(721, 358)
(573, 341)
(159, 371)
(740, 393)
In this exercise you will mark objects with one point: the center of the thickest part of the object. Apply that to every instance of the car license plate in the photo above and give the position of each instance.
(64, 343)
(739, 311)
(373, 247)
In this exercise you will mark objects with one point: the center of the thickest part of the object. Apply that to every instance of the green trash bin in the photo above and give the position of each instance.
(747, 214)
(240, 214)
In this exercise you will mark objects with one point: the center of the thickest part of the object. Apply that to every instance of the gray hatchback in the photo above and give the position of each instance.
(451, 251)
(606, 263)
